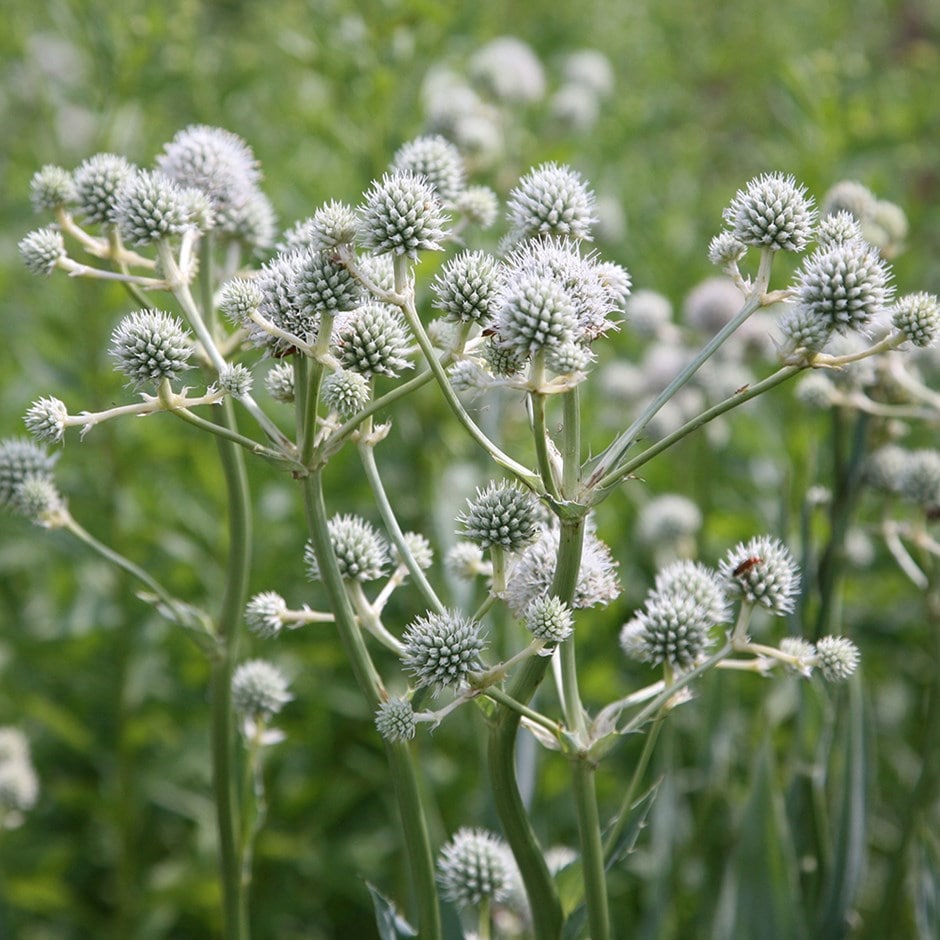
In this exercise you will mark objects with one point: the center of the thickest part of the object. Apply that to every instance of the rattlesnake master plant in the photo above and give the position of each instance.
(336, 319)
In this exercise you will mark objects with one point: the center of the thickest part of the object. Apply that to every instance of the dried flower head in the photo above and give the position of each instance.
(402, 215)
(763, 572)
(264, 614)
(259, 690)
(774, 212)
(361, 553)
(442, 649)
(473, 867)
(151, 345)
(42, 250)
(551, 200)
(395, 720)
(503, 514)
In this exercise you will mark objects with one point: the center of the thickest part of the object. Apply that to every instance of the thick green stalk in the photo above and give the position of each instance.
(592, 849)
(234, 906)
(401, 762)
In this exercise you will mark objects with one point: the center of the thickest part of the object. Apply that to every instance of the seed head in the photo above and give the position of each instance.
(98, 181)
(395, 720)
(150, 206)
(438, 161)
(503, 515)
(374, 341)
(20, 460)
(259, 690)
(837, 658)
(42, 250)
(763, 572)
(45, 419)
(917, 316)
(467, 286)
(150, 345)
(346, 392)
(774, 212)
(548, 618)
(51, 188)
(280, 383)
(402, 215)
(361, 553)
(442, 649)
(551, 200)
(264, 614)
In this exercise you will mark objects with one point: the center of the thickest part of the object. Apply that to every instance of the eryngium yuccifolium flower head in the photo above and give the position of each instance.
(837, 229)
(275, 280)
(395, 720)
(551, 200)
(264, 613)
(548, 618)
(502, 515)
(815, 390)
(37, 498)
(236, 380)
(20, 459)
(466, 288)
(322, 285)
(885, 469)
(920, 480)
(259, 690)
(668, 519)
(648, 312)
(509, 70)
(361, 553)
(802, 328)
(672, 628)
(239, 299)
(693, 580)
(844, 286)
(45, 420)
(725, 249)
(569, 358)
(837, 658)
(332, 225)
(442, 649)
(849, 196)
(346, 392)
(420, 549)
(917, 316)
(466, 376)
(802, 651)
(774, 212)
(254, 222)
(51, 188)
(535, 312)
(150, 206)
(150, 345)
(503, 360)
(402, 215)
(373, 340)
(465, 561)
(97, 181)
(280, 383)
(438, 161)
(763, 572)
(473, 867)
(478, 204)
(42, 250)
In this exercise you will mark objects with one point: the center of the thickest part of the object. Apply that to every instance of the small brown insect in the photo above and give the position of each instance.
(746, 566)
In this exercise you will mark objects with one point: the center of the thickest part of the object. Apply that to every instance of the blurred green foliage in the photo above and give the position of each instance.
(122, 841)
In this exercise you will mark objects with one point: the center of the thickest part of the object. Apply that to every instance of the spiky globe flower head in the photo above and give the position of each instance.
(236, 380)
(239, 299)
(478, 204)
(442, 649)
(151, 345)
(920, 480)
(550, 619)
(380, 270)
(254, 223)
(762, 571)
(726, 249)
(837, 658)
(885, 468)
(402, 215)
(671, 628)
(502, 515)
(45, 419)
(815, 390)
(803, 328)
(694, 580)
(259, 690)
(838, 228)
(332, 225)
(264, 614)
(668, 519)
(373, 340)
(279, 383)
(473, 867)
(38, 498)
(551, 200)
(530, 573)
(42, 250)
(509, 69)
(772, 211)
(569, 358)
(361, 553)
(322, 285)
(849, 196)
(21, 459)
(150, 206)
(465, 561)
(420, 549)
(51, 188)
(535, 312)
(346, 392)
(844, 286)
(467, 287)
(98, 181)
(802, 651)
(395, 720)
(917, 316)
(438, 161)
(502, 359)
(275, 281)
